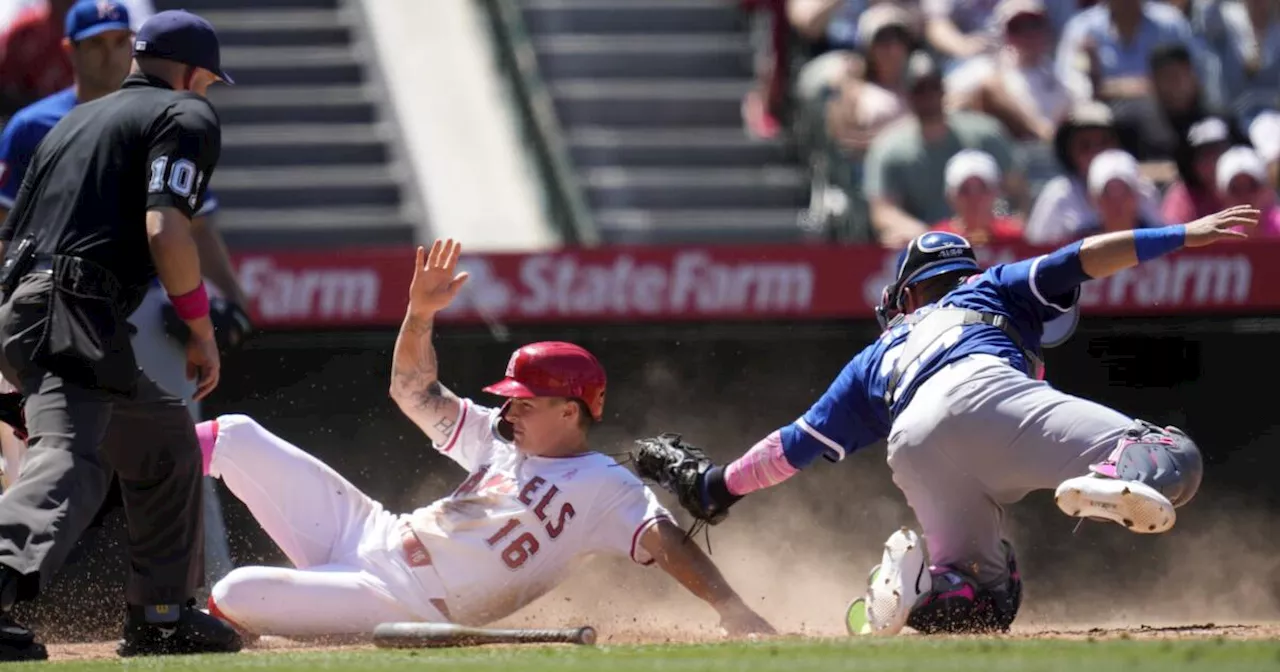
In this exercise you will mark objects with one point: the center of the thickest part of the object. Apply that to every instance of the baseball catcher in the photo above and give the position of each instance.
(955, 383)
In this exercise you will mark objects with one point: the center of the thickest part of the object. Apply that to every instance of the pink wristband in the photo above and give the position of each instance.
(192, 305)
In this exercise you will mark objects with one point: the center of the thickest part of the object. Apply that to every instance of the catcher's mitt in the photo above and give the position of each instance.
(681, 469)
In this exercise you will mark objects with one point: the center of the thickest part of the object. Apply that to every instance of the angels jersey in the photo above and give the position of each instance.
(519, 524)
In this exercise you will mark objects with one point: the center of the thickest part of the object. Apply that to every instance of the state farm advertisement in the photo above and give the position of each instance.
(368, 287)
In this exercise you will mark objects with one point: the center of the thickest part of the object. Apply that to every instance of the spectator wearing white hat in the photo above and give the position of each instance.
(1017, 84)
(973, 185)
(1242, 180)
(1115, 186)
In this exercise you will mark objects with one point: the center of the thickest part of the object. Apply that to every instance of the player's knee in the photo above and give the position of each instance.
(231, 595)
(957, 604)
(238, 597)
(1164, 458)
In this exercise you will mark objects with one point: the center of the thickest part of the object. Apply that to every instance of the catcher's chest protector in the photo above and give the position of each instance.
(934, 329)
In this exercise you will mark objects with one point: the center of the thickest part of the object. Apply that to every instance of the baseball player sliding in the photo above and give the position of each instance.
(536, 501)
(955, 385)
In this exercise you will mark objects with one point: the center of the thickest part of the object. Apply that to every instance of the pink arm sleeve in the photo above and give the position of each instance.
(763, 466)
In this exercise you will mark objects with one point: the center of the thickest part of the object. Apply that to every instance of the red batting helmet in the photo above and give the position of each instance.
(554, 369)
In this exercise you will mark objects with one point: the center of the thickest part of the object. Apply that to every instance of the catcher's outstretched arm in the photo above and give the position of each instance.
(678, 556)
(763, 466)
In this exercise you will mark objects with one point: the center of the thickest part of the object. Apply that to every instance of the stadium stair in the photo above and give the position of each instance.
(648, 94)
(306, 152)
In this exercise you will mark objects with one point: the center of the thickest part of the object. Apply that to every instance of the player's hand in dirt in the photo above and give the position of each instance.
(1222, 226)
(738, 620)
(434, 281)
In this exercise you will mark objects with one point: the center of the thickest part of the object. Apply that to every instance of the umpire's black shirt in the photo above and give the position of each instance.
(95, 175)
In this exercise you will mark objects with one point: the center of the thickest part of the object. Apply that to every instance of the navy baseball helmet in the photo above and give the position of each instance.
(927, 256)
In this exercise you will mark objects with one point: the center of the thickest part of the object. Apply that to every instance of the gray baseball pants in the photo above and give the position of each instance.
(980, 434)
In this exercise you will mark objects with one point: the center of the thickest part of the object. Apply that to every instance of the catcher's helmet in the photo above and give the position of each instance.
(554, 369)
(928, 255)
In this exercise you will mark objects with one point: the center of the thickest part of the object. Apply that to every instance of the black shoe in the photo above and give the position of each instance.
(18, 643)
(193, 632)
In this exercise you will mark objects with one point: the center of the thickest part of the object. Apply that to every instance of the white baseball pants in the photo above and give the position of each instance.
(350, 573)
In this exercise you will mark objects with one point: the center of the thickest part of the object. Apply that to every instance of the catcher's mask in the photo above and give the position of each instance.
(553, 369)
(929, 255)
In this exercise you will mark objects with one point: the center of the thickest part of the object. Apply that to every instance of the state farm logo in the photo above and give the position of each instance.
(1181, 280)
(289, 294)
(1178, 281)
(690, 282)
(485, 292)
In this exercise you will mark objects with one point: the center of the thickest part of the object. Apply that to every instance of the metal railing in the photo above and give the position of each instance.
(566, 206)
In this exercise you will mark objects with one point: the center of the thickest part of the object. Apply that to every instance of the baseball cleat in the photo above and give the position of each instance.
(1136, 506)
(855, 616)
(894, 589)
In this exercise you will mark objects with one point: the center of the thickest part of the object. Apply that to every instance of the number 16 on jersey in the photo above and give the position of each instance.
(524, 546)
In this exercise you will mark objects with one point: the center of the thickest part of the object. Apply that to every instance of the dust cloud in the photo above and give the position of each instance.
(799, 552)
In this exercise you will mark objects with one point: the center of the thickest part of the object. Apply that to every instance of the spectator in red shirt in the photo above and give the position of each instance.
(973, 185)
(33, 63)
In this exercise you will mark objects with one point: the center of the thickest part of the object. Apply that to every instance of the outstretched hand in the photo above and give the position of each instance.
(434, 282)
(1221, 226)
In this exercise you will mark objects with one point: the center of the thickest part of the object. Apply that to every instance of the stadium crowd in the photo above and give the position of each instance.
(1035, 120)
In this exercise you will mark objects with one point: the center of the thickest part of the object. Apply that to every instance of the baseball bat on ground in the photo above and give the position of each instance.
(435, 635)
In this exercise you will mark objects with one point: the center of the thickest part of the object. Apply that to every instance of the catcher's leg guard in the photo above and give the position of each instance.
(957, 605)
(1151, 471)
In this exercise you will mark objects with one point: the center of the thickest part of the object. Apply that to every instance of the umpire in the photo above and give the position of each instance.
(104, 208)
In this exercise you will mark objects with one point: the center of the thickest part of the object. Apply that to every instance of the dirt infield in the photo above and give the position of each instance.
(1236, 632)
(1252, 631)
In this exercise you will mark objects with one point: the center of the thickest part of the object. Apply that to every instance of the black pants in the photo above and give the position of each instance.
(80, 436)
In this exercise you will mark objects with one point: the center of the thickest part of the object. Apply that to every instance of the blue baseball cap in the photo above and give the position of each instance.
(181, 36)
(92, 17)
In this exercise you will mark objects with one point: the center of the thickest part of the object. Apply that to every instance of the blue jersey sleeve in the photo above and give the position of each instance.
(1046, 286)
(16, 149)
(846, 418)
(209, 205)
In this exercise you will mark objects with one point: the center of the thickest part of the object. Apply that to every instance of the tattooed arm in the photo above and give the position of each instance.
(414, 381)
(414, 384)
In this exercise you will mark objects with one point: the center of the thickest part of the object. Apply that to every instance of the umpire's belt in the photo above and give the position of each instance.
(79, 276)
